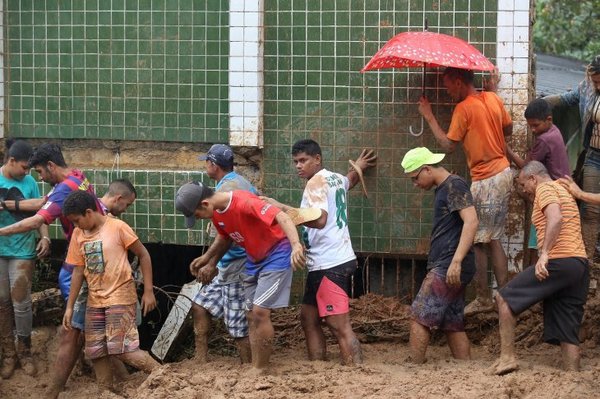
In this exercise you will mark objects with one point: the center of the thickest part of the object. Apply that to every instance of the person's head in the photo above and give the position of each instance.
(593, 72)
(119, 196)
(47, 159)
(533, 173)
(539, 116)
(192, 200)
(307, 157)
(458, 82)
(420, 165)
(16, 163)
(219, 160)
(81, 209)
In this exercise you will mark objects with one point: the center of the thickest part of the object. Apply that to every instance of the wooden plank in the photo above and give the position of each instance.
(175, 321)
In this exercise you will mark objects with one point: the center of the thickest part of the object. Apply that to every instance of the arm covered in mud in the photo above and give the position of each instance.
(204, 267)
(470, 224)
(76, 283)
(298, 259)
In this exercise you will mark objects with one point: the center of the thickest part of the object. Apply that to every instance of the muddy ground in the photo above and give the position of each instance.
(382, 325)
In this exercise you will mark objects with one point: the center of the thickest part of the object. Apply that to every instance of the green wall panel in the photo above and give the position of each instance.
(120, 69)
(313, 89)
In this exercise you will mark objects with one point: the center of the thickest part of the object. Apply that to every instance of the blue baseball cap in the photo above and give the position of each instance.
(220, 154)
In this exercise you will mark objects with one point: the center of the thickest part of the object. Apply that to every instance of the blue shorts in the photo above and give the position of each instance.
(278, 258)
(64, 283)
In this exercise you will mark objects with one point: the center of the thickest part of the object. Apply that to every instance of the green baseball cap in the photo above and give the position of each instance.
(418, 157)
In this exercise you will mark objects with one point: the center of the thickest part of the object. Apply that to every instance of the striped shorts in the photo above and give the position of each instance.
(110, 331)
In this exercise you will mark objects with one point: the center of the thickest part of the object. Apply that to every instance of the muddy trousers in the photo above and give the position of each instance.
(590, 214)
(15, 296)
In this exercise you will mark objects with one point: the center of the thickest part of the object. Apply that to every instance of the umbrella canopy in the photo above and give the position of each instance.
(414, 49)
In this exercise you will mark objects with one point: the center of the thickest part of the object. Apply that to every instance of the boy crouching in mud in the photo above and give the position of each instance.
(98, 250)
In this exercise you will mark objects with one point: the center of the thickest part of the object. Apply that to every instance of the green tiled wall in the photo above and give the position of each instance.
(118, 69)
(152, 216)
(313, 89)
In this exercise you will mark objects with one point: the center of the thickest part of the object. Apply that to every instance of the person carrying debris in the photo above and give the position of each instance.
(272, 247)
(222, 294)
(560, 278)
(98, 253)
(330, 258)
(440, 302)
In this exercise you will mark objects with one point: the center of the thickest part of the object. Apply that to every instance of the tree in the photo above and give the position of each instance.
(568, 27)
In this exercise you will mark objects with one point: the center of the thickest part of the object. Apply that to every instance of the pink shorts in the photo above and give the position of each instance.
(328, 289)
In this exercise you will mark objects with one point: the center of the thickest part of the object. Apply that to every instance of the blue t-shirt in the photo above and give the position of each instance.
(22, 245)
(231, 182)
(451, 197)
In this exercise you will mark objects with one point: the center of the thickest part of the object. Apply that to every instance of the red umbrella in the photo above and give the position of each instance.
(415, 49)
(419, 49)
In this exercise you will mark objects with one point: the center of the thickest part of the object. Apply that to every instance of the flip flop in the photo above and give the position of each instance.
(303, 215)
(360, 177)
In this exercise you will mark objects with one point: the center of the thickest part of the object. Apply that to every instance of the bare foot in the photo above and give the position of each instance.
(505, 366)
(478, 306)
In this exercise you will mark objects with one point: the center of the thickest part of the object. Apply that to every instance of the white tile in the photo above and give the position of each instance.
(505, 64)
(250, 63)
(236, 19)
(251, 109)
(521, 34)
(506, 81)
(236, 64)
(507, 5)
(236, 34)
(521, 50)
(505, 18)
(251, 19)
(236, 5)
(521, 5)
(504, 49)
(504, 35)
(236, 78)
(251, 79)
(250, 93)
(251, 34)
(251, 48)
(521, 65)
(252, 5)
(236, 49)
(522, 18)
(236, 108)
(236, 93)
(236, 136)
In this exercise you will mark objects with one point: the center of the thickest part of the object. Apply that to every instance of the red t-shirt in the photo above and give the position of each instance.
(249, 222)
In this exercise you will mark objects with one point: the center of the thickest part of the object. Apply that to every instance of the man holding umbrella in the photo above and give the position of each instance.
(480, 122)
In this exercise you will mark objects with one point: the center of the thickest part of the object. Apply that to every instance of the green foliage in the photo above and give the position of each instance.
(567, 27)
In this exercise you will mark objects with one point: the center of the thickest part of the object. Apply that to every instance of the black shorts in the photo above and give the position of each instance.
(564, 293)
(340, 275)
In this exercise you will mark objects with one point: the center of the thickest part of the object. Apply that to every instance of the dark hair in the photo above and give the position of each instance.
(47, 153)
(308, 146)
(465, 75)
(594, 67)
(538, 109)
(121, 187)
(78, 202)
(20, 150)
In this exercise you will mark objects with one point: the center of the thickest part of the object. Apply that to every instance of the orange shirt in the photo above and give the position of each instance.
(478, 121)
(569, 242)
(107, 269)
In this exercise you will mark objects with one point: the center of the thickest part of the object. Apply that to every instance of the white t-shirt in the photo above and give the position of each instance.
(330, 246)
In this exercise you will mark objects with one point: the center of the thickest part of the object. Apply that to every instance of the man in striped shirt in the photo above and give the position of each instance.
(560, 278)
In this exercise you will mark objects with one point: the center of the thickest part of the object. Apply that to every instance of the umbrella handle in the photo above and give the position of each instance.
(416, 134)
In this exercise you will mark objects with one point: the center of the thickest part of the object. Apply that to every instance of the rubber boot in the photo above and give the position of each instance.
(9, 358)
(25, 358)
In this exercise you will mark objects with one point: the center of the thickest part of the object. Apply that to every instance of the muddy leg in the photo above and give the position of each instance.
(459, 345)
(571, 356)
(508, 360)
(119, 370)
(103, 369)
(315, 340)
(499, 262)
(7, 342)
(483, 301)
(261, 336)
(418, 342)
(590, 214)
(139, 359)
(243, 345)
(350, 350)
(69, 348)
(201, 329)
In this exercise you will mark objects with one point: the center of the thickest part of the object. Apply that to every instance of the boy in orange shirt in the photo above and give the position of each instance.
(98, 250)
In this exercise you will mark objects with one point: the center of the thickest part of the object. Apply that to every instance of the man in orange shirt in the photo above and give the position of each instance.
(480, 122)
(560, 278)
